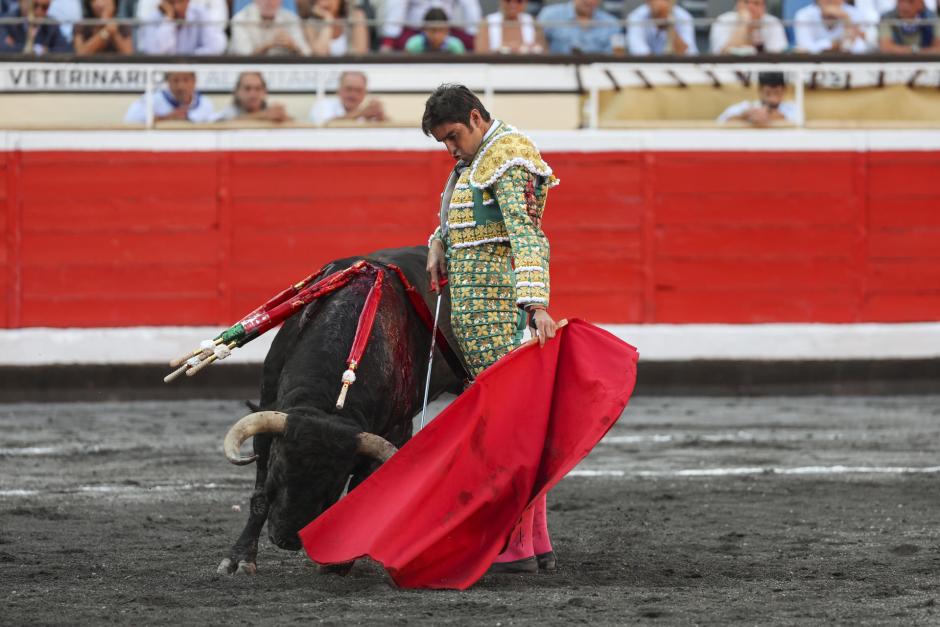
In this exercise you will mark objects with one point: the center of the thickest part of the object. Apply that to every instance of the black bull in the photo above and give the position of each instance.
(304, 462)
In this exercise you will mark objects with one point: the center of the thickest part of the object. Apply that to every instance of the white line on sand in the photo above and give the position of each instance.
(719, 438)
(759, 470)
(111, 489)
(106, 489)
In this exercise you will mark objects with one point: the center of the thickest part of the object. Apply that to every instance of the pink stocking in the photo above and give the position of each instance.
(541, 542)
(520, 542)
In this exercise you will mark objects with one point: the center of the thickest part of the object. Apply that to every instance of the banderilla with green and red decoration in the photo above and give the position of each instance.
(272, 313)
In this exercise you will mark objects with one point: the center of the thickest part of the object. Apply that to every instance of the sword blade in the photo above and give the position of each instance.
(427, 381)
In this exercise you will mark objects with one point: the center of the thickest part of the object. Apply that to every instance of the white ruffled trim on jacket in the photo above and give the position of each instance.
(530, 300)
(480, 242)
(461, 225)
(469, 204)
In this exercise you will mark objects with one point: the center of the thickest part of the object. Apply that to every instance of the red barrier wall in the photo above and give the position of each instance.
(163, 238)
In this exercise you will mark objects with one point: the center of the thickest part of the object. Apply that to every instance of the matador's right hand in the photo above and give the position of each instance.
(436, 267)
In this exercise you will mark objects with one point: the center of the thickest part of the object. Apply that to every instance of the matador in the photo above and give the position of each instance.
(491, 247)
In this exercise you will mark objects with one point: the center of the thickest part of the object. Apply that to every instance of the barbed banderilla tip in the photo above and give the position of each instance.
(349, 377)
(176, 373)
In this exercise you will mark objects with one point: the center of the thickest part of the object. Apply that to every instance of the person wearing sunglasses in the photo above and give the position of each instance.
(511, 30)
(32, 35)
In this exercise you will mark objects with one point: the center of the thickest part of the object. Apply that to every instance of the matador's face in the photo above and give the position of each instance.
(462, 140)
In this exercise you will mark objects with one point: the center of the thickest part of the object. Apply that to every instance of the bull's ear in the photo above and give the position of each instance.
(375, 446)
(251, 425)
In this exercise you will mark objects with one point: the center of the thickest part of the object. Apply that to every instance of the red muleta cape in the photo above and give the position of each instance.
(442, 508)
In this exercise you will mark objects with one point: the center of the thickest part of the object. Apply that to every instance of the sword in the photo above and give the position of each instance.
(427, 382)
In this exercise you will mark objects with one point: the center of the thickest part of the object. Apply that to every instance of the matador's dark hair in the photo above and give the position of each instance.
(451, 103)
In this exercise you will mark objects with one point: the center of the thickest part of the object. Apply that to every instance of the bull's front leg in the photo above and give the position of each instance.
(244, 554)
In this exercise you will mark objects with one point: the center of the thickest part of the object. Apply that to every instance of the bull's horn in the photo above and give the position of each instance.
(376, 447)
(250, 425)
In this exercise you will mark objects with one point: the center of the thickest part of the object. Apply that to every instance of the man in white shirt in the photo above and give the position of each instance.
(67, 13)
(660, 27)
(182, 27)
(404, 18)
(831, 25)
(180, 100)
(350, 103)
(265, 27)
(747, 30)
(770, 108)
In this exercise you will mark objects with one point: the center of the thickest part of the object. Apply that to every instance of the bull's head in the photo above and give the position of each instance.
(307, 468)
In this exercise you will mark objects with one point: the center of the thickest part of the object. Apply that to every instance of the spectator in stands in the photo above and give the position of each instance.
(435, 36)
(511, 30)
(579, 26)
(264, 27)
(217, 11)
(830, 25)
(403, 19)
(180, 100)
(335, 28)
(349, 104)
(769, 108)
(660, 27)
(748, 29)
(182, 27)
(67, 13)
(909, 36)
(102, 33)
(28, 36)
(250, 102)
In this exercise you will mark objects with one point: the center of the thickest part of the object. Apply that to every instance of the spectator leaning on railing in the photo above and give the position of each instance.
(102, 34)
(350, 103)
(403, 19)
(335, 28)
(29, 37)
(250, 102)
(264, 27)
(660, 27)
(579, 25)
(769, 108)
(67, 13)
(435, 36)
(511, 30)
(180, 100)
(830, 25)
(182, 27)
(918, 31)
(217, 11)
(748, 29)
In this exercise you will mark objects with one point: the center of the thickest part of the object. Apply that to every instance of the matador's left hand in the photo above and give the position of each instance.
(545, 327)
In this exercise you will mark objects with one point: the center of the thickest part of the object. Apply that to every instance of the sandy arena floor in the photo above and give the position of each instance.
(692, 511)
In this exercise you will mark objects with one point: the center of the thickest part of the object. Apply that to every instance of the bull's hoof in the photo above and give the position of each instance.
(336, 569)
(247, 568)
(228, 567)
